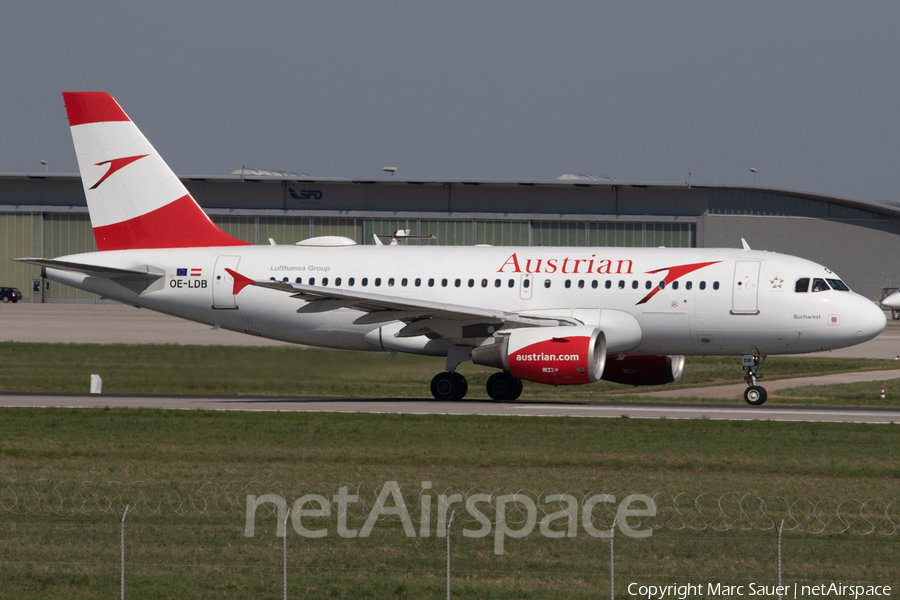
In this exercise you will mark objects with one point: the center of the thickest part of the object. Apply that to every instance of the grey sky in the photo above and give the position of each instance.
(807, 92)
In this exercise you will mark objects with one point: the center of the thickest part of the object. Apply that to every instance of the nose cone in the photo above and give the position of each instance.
(892, 301)
(870, 320)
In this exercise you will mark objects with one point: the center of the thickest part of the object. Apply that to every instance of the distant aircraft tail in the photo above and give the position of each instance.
(134, 198)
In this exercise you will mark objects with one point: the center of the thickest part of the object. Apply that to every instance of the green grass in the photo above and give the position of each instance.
(204, 557)
(791, 459)
(216, 562)
(286, 371)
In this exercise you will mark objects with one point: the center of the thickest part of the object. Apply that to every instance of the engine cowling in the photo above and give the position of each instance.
(637, 369)
(550, 355)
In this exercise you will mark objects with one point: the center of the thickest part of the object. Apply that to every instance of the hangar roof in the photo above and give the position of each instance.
(555, 196)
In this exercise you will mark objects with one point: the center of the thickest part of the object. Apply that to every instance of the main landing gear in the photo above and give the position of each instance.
(449, 386)
(453, 386)
(754, 395)
(503, 386)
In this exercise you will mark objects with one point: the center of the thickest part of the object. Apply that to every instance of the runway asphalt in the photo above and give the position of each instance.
(736, 411)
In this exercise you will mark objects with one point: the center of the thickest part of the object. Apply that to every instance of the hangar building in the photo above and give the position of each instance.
(45, 215)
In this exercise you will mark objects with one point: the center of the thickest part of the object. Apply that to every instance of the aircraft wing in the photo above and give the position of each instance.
(423, 317)
(142, 272)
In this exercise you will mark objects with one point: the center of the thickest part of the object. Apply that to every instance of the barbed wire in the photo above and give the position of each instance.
(674, 511)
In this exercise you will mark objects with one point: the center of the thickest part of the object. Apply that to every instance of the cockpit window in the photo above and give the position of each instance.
(802, 285)
(819, 285)
(837, 284)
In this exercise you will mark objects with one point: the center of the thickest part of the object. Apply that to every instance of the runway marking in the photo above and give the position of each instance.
(425, 408)
(749, 411)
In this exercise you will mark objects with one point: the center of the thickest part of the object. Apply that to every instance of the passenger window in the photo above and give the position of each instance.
(324, 281)
(546, 283)
(802, 285)
(404, 281)
(299, 280)
(431, 283)
(284, 280)
(634, 284)
(608, 284)
(715, 285)
(688, 285)
(312, 281)
(580, 283)
(702, 285)
(837, 284)
(377, 281)
(819, 285)
(444, 282)
(526, 283)
(391, 282)
(648, 285)
(674, 285)
(365, 281)
(621, 284)
(662, 285)
(418, 281)
(497, 283)
(568, 283)
(337, 282)
(484, 283)
(471, 283)
(458, 282)
(594, 284)
(512, 283)
(351, 281)
(270, 279)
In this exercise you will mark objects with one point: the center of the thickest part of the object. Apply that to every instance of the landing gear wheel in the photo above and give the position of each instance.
(755, 395)
(449, 386)
(463, 385)
(503, 386)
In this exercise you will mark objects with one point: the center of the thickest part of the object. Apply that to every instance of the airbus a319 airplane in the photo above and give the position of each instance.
(557, 316)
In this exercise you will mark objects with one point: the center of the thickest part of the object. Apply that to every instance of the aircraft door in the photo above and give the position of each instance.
(745, 288)
(525, 283)
(223, 283)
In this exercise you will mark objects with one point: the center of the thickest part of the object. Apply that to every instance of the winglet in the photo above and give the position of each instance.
(745, 244)
(240, 282)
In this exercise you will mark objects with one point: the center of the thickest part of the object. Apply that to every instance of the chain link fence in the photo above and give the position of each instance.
(674, 511)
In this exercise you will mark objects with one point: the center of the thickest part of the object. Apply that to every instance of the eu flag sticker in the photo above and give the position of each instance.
(181, 272)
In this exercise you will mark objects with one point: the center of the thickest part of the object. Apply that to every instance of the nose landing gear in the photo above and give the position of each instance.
(754, 395)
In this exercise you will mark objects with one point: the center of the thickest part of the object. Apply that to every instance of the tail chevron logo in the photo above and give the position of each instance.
(673, 274)
(116, 164)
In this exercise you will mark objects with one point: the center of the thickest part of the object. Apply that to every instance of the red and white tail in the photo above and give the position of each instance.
(134, 198)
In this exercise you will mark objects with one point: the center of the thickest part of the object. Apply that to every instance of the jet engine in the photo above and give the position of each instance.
(636, 369)
(551, 355)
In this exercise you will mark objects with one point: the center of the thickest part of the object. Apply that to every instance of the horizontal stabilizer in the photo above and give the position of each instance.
(141, 272)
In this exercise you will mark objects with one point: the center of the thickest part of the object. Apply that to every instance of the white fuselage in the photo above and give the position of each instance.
(742, 302)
